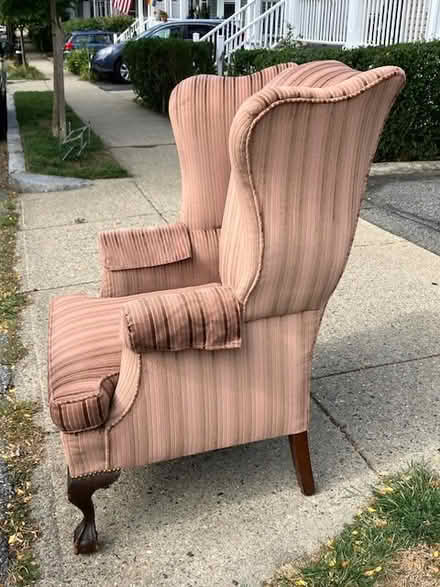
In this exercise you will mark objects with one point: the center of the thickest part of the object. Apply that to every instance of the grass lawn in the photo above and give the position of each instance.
(42, 152)
(394, 542)
(16, 72)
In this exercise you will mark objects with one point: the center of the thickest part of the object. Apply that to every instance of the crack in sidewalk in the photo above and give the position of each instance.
(343, 429)
(152, 204)
(377, 366)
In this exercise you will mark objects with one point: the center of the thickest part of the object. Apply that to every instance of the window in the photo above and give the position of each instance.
(202, 29)
(229, 9)
(171, 32)
(101, 39)
(83, 40)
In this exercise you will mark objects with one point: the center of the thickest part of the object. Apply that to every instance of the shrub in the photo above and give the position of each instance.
(157, 65)
(113, 24)
(412, 131)
(78, 63)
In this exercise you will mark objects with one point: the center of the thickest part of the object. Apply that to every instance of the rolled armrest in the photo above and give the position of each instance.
(144, 260)
(205, 318)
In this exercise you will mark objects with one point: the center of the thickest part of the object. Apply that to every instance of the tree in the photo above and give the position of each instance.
(59, 103)
(24, 13)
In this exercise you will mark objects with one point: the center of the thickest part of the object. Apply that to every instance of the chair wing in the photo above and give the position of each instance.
(300, 157)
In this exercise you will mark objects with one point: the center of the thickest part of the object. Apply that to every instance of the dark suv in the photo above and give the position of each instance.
(110, 60)
(92, 40)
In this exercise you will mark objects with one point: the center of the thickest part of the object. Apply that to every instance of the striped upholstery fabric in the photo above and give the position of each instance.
(83, 405)
(300, 157)
(205, 318)
(201, 110)
(144, 247)
(300, 151)
(84, 349)
(168, 405)
(134, 276)
(316, 74)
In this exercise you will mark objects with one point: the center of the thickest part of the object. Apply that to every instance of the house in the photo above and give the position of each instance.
(264, 23)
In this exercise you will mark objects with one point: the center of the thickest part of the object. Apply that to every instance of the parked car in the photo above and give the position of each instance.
(92, 40)
(110, 60)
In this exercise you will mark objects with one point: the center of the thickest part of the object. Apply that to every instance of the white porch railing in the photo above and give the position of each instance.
(365, 22)
(234, 23)
(248, 28)
(323, 21)
(351, 23)
(397, 21)
(133, 31)
(265, 31)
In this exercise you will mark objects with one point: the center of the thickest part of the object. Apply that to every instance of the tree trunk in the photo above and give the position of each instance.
(59, 103)
(11, 40)
(23, 50)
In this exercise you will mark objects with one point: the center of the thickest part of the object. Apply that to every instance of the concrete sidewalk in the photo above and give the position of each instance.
(135, 134)
(232, 516)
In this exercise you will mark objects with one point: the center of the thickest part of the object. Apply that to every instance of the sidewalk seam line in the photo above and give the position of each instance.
(378, 366)
(37, 290)
(343, 430)
(78, 224)
(151, 203)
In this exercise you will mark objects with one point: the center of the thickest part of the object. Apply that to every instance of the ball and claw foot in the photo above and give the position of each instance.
(80, 491)
(85, 537)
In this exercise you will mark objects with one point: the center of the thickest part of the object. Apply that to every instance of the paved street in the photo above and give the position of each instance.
(231, 517)
(408, 207)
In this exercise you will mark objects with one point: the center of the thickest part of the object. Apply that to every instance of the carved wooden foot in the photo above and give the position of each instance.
(299, 446)
(80, 492)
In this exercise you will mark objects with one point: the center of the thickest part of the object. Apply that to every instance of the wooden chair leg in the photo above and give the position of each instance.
(79, 492)
(299, 446)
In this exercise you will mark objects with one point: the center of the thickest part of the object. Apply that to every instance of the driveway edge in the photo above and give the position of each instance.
(19, 178)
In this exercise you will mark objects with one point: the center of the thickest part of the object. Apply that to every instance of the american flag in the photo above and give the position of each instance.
(122, 6)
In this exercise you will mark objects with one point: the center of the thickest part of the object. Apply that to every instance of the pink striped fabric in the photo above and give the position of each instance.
(84, 405)
(193, 401)
(84, 348)
(316, 74)
(137, 248)
(168, 405)
(133, 276)
(300, 157)
(201, 110)
(206, 318)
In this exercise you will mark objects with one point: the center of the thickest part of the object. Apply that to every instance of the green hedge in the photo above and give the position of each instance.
(77, 62)
(157, 65)
(412, 131)
(113, 24)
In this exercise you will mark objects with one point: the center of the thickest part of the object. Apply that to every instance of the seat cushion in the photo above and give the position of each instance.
(84, 356)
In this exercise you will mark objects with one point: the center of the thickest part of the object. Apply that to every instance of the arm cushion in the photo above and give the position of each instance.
(205, 318)
(144, 247)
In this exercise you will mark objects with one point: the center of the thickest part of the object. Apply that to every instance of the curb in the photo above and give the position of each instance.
(22, 181)
(409, 168)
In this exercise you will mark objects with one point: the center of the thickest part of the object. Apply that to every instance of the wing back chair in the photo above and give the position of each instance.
(204, 336)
